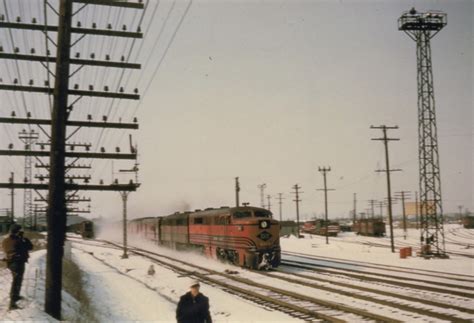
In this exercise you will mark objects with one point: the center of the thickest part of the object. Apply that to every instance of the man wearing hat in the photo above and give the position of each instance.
(16, 248)
(193, 307)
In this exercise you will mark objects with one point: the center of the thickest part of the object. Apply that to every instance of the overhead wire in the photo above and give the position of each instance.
(16, 61)
(122, 72)
(160, 61)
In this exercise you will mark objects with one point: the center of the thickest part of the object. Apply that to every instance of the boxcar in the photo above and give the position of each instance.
(319, 227)
(468, 222)
(369, 227)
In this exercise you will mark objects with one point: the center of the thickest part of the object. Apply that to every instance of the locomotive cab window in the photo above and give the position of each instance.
(262, 214)
(242, 214)
(198, 221)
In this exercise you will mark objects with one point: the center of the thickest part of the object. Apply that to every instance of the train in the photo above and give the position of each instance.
(84, 228)
(319, 227)
(245, 236)
(369, 227)
(468, 222)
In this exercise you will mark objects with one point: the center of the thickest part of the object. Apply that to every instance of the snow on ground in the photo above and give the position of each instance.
(121, 290)
(349, 246)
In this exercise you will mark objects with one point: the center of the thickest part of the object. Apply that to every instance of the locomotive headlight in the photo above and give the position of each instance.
(264, 224)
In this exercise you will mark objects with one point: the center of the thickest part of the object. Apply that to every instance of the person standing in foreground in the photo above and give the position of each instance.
(16, 248)
(193, 307)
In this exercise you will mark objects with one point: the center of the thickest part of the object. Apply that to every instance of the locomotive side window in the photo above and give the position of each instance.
(242, 214)
(222, 220)
(180, 222)
(198, 221)
(262, 214)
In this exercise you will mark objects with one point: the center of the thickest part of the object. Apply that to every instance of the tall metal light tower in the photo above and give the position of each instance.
(421, 27)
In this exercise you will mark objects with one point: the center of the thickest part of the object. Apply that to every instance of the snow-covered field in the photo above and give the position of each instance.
(349, 246)
(122, 290)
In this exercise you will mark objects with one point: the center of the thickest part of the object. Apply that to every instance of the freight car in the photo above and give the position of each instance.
(319, 227)
(369, 227)
(468, 222)
(245, 236)
(84, 228)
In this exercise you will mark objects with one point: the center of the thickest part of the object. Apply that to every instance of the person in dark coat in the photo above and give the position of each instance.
(193, 307)
(16, 248)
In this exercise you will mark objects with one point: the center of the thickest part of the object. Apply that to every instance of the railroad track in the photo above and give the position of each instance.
(401, 245)
(390, 268)
(378, 296)
(293, 303)
(431, 286)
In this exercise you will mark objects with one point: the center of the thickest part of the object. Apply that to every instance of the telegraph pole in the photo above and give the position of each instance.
(324, 171)
(262, 194)
(372, 207)
(124, 195)
(460, 211)
(269, 203)
(237, 190)
(297, 200)
(421, 27)
(56, 213)
(57, 186)
(403, 195)
(35, 220)
(417, 211)
(12, 195)
(387, 170)
(354, 211)
(57, 210)
(280, 198)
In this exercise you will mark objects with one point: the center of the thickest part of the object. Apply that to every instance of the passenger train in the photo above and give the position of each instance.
(245, 236)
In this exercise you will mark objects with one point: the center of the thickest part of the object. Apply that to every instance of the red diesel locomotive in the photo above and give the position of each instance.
(245, 236)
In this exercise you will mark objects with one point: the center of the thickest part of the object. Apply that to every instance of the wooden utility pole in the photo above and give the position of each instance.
(269, 205)
(387, 170)
(297, 193)
(280, 198)
(324, 171)
(262, 194)
(403, 195)
(35, 219)
(237, 191)
(57, 187)
(354, 211)
(12, 195)
(56, 213)
(124, 195)
(372, 207)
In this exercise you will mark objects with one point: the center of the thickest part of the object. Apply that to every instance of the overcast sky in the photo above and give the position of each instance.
(270, 90)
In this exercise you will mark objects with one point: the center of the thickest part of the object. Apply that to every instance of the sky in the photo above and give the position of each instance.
(271, 90)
